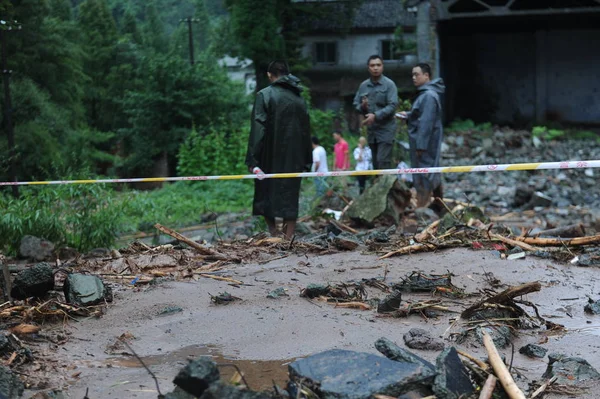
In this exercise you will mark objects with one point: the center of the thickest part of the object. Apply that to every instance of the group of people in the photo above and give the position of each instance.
(280, 140)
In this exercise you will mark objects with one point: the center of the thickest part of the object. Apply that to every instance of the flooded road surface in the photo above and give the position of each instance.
(260, 335)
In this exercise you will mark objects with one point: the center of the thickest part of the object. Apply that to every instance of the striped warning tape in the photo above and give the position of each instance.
(412, 171)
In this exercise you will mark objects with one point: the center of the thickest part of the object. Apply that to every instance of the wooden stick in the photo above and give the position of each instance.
(570, 231)
(488, 388)
(342, 226)
(428, 231)
(544, 386)
(512, 390)
(561, 241)
(227, 279)
(514, 243)
(472, 358)
(504, 297)
(407, 250)
(191, 243)
(353, 305)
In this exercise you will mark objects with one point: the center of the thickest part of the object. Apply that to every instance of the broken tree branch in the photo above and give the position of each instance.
(428, 231)
(570, 231)
(512, 390)
(408, 249)
(226, 279)
(472, 358)
(201, 248)
(342, 226)
(514, 243)
(504, 297)
(544, 386)
(488, 388)
(561, 241)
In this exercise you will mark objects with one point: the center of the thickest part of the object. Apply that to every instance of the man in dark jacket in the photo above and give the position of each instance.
(425, 132)
(279, 142)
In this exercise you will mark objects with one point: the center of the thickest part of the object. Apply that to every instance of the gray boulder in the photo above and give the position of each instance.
(11, 386)
(35, 248)
(197, 376)
(84, 290)
(33, 282)
(384, 201)
(342, 374)
(393, 352)
(452, 381)
(570, 370)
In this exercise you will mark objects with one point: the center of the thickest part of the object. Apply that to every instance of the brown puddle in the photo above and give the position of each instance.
(259, 374)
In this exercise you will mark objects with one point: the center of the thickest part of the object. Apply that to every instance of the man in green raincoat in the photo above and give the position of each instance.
(279, 142)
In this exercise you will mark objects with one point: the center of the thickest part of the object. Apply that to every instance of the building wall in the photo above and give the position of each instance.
(522, 76)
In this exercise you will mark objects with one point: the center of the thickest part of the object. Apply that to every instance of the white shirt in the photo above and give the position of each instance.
(367, 157)
(320, 156)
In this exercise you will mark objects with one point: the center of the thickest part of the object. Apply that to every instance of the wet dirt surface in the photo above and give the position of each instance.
(262, 335)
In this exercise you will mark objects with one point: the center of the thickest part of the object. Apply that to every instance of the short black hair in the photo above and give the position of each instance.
(425, 68)
(278, 68)
(374, 57)
(315, 140)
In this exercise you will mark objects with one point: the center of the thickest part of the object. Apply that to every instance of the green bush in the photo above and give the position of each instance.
(79, 216)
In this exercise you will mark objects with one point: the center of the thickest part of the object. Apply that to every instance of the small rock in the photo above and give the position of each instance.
(592, 307)
(36, 248)
(533, 350)
(11, 386)
(33, 282)
(417, 338)
(197, 376)
(589, 172)
(354, 375)
(523, 195)
(179, 393)
(277, 293)
(333, 229)
(345, 244)
(569, 370)
(221, 391)
(452, 380)
(84, 290)
(393, 352)
(379, 236)
(390, 303)
(170, 310)
(500, 335)
(315, 290)
(539, 200)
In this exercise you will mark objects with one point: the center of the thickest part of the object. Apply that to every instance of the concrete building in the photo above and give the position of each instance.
(240, 70)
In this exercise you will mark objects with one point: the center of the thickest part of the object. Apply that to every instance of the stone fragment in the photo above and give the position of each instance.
(11, 386)
(539, 199)
(179, 393)
(390, 303)
(33, 282)
(393, 352)
(222, 391)
(345, 243)
(342, 374)
(570, 370)
(36, 248)
(277, 293)
(384, 201)
(452, 380)
(533, 350)
(592, 307)
(501, 335)
(315, 290)
(417, 338)
(523, 195)
(84, 290)
(197, 376)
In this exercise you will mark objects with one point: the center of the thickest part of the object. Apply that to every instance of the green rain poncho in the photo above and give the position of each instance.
(279, 143)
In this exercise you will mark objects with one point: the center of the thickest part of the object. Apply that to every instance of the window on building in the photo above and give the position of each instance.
(326, 52)
(388, 52)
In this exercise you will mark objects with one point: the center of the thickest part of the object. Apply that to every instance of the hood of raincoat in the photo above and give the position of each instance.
(289, 81)
(436, 85)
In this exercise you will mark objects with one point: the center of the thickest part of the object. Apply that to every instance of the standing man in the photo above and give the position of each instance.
(425, 132)
(279, 142)
(341, 152)
(319, 165)
(377, 99)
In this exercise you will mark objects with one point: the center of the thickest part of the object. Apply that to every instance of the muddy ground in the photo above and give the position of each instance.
(262, 335)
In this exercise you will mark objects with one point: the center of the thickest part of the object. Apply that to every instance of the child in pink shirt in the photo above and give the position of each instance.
(341, 153)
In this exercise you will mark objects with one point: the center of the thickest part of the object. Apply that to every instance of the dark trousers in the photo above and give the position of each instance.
(382, 155)
(361, 183)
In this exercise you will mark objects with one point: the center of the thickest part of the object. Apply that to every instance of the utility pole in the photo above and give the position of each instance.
(190, 36)
(8, 110)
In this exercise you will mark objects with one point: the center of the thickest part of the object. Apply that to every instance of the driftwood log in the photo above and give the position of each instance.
(511, 389)
(199, 247)
(570, 231)
(504, 297)
(560, 241)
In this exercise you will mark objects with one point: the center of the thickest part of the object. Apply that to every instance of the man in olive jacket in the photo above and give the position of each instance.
(279, 142)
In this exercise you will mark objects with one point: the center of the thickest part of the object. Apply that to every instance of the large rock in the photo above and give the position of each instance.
(33, 282)
(341, 374)
(384, 201)
(393, 352)
(452, 381)
(570, 370)
(222, 391)
(36, 248)
(84, 290)
(11, 386)
(197, 376)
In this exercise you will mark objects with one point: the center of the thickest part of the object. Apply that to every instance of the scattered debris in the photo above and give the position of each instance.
(223, 298)
(277, 293)
(391, 303)
(168, 310)
(417, 338)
